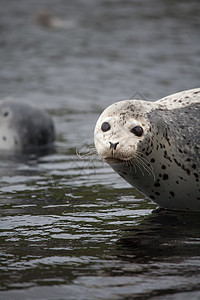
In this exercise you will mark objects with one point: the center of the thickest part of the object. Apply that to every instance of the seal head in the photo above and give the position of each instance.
(121, 130)
(24, 128)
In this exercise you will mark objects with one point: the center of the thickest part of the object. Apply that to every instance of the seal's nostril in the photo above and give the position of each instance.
(113, 145)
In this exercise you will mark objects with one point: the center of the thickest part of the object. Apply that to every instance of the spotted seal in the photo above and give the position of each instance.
(24, 128)
(155, 146)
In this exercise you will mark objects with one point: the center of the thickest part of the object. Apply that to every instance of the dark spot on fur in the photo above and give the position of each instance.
(149, 151)
(166, 156)
(172, 194)
(167, 138)
(178, 164)
(163, 167)
(152, 160)
(165, 176)
(186, 169)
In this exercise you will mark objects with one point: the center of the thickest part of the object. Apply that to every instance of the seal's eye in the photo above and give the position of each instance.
(105, 126)
(137, 130)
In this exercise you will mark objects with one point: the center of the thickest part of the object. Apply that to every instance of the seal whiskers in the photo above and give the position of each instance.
(92, 154)
(146, 165)
(81, 156)
(131, 165)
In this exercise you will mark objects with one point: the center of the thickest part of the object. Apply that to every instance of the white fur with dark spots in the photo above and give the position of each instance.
(163, 163)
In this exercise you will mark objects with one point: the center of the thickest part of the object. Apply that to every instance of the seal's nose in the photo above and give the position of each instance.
(113, 145)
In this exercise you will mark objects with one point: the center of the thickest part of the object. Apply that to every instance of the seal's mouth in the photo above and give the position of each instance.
(114, 160)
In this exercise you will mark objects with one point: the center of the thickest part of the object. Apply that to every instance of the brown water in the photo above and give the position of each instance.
(71, 228)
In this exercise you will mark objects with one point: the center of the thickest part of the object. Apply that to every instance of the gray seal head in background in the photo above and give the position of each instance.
(155, 146)
(24, 128)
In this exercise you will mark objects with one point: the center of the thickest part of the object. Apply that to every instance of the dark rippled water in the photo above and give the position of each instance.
(70, 228)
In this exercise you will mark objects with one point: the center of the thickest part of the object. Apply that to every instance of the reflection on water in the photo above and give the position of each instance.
(70, 228)
(96, 240)
(163, 236)
(110, 246)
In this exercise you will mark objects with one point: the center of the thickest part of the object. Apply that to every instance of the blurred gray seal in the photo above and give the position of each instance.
(24, 128)
(155, 146)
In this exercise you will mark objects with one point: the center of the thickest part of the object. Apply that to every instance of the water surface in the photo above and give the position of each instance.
(70, 227)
